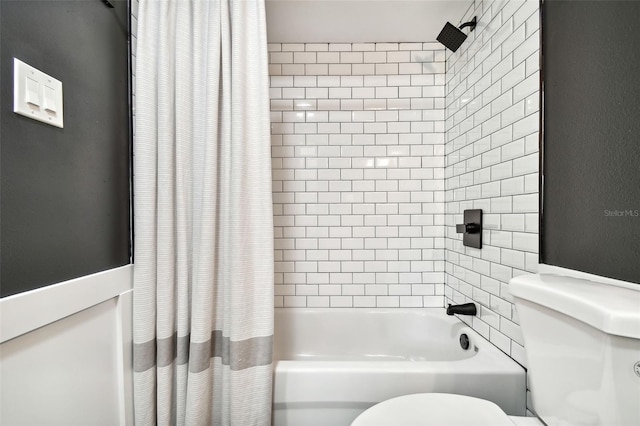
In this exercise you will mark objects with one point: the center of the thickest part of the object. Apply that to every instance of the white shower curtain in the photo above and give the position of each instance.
(203, 274)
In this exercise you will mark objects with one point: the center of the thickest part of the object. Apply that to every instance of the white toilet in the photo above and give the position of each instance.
(582, 342)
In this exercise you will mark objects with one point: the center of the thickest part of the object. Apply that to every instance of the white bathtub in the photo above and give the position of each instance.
(332, 364)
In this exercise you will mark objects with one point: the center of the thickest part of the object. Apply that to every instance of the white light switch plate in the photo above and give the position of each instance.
(36, 95)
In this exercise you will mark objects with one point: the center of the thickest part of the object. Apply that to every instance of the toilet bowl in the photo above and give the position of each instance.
(582, 344)
(439, 409)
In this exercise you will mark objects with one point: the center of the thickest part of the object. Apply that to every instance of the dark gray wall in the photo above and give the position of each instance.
(64, 193)
(591, 192)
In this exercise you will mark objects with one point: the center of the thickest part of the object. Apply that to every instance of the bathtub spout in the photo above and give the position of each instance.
(464, 309)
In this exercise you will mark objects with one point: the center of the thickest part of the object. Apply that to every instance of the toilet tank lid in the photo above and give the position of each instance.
(610, 308)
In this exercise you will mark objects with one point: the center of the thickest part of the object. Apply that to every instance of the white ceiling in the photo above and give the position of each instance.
(353, 21)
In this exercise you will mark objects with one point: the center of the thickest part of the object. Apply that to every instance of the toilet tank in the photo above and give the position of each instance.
(582, 343)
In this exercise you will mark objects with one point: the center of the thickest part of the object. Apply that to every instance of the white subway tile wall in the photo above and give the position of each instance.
(492, 131)
(358, 174)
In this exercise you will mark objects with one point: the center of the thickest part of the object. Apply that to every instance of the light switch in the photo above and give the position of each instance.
(49, 99)
(37, 95)
(33, 92)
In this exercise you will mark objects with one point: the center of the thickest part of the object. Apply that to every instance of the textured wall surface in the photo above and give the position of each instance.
(491, 150)
(358, 174)
(591, 126)
(89, 345)
(65, 191)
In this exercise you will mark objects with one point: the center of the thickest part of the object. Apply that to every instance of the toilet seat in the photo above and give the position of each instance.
(434, 409)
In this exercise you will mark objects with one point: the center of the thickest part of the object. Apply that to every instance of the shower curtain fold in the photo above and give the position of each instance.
(203, 274)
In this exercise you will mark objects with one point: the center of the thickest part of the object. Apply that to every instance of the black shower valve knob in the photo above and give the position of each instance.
(471, 228)
(467, 228)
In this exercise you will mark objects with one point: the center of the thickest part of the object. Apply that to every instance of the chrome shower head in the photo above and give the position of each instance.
(453, 37)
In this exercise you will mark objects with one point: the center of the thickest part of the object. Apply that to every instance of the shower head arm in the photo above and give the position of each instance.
(471, 24)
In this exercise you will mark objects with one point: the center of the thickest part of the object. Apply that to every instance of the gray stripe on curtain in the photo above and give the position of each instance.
(239, 355)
